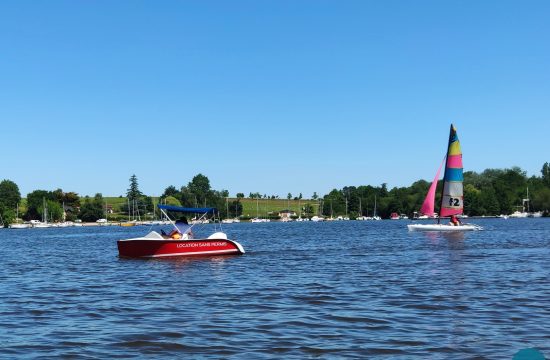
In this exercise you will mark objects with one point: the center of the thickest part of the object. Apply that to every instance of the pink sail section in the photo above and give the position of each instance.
(454, 161)
(428, 204)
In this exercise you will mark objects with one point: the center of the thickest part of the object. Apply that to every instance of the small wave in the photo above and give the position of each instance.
(351, 319)
(407, 343)
(156, 345)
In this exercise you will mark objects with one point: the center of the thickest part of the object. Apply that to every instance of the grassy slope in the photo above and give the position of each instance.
(274, 206)
(249, 205)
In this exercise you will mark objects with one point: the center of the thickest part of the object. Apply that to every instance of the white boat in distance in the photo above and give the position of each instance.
(518, 214)
(39, 224)
(19, 226)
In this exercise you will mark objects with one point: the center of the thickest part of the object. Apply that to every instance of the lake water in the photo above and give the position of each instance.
(302, 290)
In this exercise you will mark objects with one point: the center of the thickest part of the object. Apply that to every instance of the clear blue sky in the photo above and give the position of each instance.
(268, 96)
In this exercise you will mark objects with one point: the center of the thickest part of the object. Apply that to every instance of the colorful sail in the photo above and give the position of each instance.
(452, 200)
(428, 204)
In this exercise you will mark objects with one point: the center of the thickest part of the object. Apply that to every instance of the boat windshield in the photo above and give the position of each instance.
(182, 227)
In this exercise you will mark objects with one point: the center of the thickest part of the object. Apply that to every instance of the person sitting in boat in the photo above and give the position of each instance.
(182, 230)
(454, 221)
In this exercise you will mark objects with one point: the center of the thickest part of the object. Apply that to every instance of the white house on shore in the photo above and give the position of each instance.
(286, 215)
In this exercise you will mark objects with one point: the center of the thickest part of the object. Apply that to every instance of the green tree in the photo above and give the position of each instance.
(541, 200)
(546, 174)
(235, 209)
(9, 194)
(68, 198)
(489, 201)
(334, 203)
(92, 209)
(71, 199)
(255, 195)
(187, 198)
(510, 187)
(52, 212)
(170, 191)
(240, 195)
(147, 203)
(35, 201)
(133, 192)
(8, 216)
(383, 190)
(471, 200)
(200, 188)
(9, 198)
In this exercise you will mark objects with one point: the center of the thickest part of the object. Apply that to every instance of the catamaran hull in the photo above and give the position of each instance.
(147, 248)
(443, 227)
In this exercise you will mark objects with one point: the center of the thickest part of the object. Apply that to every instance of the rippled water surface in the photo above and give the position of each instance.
(302, 290)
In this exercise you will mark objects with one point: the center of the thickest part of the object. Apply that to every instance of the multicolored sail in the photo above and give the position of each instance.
(452, 199)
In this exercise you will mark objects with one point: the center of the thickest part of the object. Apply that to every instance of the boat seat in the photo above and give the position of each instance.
(218, 235)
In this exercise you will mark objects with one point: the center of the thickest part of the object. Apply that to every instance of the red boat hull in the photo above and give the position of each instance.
(144, 248)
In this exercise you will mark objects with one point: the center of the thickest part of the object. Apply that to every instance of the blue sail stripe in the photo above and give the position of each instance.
(452, 174)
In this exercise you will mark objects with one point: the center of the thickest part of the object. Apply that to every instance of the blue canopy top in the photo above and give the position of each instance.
(186, 210)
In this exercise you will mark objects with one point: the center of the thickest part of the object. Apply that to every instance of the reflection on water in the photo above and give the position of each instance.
(452, 236)
(302, 290)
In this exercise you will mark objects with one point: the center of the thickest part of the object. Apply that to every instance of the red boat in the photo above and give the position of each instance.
(180, 241)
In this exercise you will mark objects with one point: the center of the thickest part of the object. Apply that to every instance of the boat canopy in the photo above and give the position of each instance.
(186, 210)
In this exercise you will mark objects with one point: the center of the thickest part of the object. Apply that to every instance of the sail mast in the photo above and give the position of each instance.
(445, 174)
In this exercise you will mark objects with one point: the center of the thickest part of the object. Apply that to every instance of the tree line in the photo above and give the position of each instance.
(57, 205)
(491, 192)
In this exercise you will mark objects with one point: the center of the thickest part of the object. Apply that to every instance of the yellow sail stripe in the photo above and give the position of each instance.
(454, 148)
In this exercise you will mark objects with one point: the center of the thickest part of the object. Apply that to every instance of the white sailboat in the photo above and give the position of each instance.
(18, 224)
(44, 223)
(227, 220)
(525, 210)
(374, 216)
(360, 217)
(257, 219)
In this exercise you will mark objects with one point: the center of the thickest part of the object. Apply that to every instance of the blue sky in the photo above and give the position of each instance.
(268, 96)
